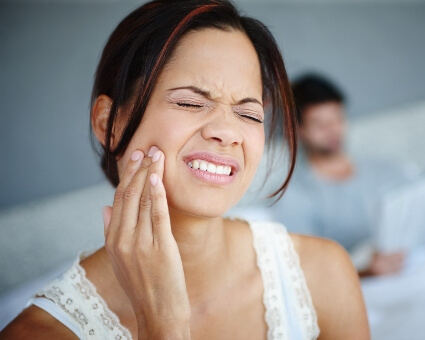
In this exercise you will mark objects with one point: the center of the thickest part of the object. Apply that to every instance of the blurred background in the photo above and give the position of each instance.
(51, 187)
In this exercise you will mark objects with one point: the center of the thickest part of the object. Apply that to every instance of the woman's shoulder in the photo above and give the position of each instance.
(325, 263)
(44, 318)
(313, 250)
(334, 285)
(40, 319)
(77, 300)
(35, 323)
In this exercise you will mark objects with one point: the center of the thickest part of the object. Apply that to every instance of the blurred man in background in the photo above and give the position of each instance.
(334, 194)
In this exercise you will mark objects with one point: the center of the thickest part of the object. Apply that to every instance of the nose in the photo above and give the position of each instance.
(223, 128)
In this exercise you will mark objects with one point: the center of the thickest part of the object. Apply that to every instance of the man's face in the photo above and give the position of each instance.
(323, 128)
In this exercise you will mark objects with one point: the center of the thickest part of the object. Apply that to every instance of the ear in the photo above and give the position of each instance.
(99, 118)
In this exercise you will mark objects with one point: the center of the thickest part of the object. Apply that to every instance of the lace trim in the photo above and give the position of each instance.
(271, 297)
(265, 234)
(77, 296)
(305, 308)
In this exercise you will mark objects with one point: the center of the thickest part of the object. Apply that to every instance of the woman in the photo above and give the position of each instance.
(180, 97)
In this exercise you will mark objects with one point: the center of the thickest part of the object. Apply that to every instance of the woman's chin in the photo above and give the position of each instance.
(200, 209)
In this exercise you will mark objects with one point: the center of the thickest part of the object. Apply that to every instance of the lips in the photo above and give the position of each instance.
(212, 168)
(212, 163)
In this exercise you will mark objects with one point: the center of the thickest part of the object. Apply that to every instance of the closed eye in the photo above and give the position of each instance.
(190, 105)
(252, 117)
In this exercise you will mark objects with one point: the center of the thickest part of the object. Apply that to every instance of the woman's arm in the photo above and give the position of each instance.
(335, 288)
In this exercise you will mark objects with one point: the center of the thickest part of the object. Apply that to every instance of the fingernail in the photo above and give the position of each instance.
(152, 150)
(136, 155)
(156, 156)
(154, 179)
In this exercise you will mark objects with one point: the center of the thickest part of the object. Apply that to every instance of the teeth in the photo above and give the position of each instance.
(210, 167)
(203, 166)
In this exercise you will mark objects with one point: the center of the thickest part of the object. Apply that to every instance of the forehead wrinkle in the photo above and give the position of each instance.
(220, 94)
(217, 99)
(219, 87)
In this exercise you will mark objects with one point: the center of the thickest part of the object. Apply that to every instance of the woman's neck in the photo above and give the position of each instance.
(204, 251)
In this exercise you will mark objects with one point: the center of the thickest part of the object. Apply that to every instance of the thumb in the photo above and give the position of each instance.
(106, 213)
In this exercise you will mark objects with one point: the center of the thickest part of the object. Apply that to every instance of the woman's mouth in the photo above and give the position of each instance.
(210, 167)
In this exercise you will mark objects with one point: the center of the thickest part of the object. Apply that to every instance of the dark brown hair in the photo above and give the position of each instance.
(143, 42)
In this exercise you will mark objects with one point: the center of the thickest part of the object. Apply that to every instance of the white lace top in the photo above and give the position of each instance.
(290, 314)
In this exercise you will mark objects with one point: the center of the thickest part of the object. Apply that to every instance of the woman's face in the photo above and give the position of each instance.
(206, 112)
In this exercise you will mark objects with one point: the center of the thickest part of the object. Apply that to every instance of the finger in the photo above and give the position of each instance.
(106, 213)
(160, 216)
(393, 263)
(145, 221)
(402, 256)
(399, 261)
(129, 172)
(152, 150)
(396, 259)
(131, 202)
(394, 268)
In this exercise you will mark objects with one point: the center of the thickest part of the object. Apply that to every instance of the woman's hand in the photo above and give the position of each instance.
(143, 251)
(385, 264)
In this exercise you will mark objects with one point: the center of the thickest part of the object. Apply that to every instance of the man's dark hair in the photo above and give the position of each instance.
(312, 89)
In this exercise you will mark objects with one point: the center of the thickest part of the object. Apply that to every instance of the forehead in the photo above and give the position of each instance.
(324, 112)
(221, 62)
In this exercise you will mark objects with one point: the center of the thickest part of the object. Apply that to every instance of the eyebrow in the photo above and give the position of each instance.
(207, 94)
